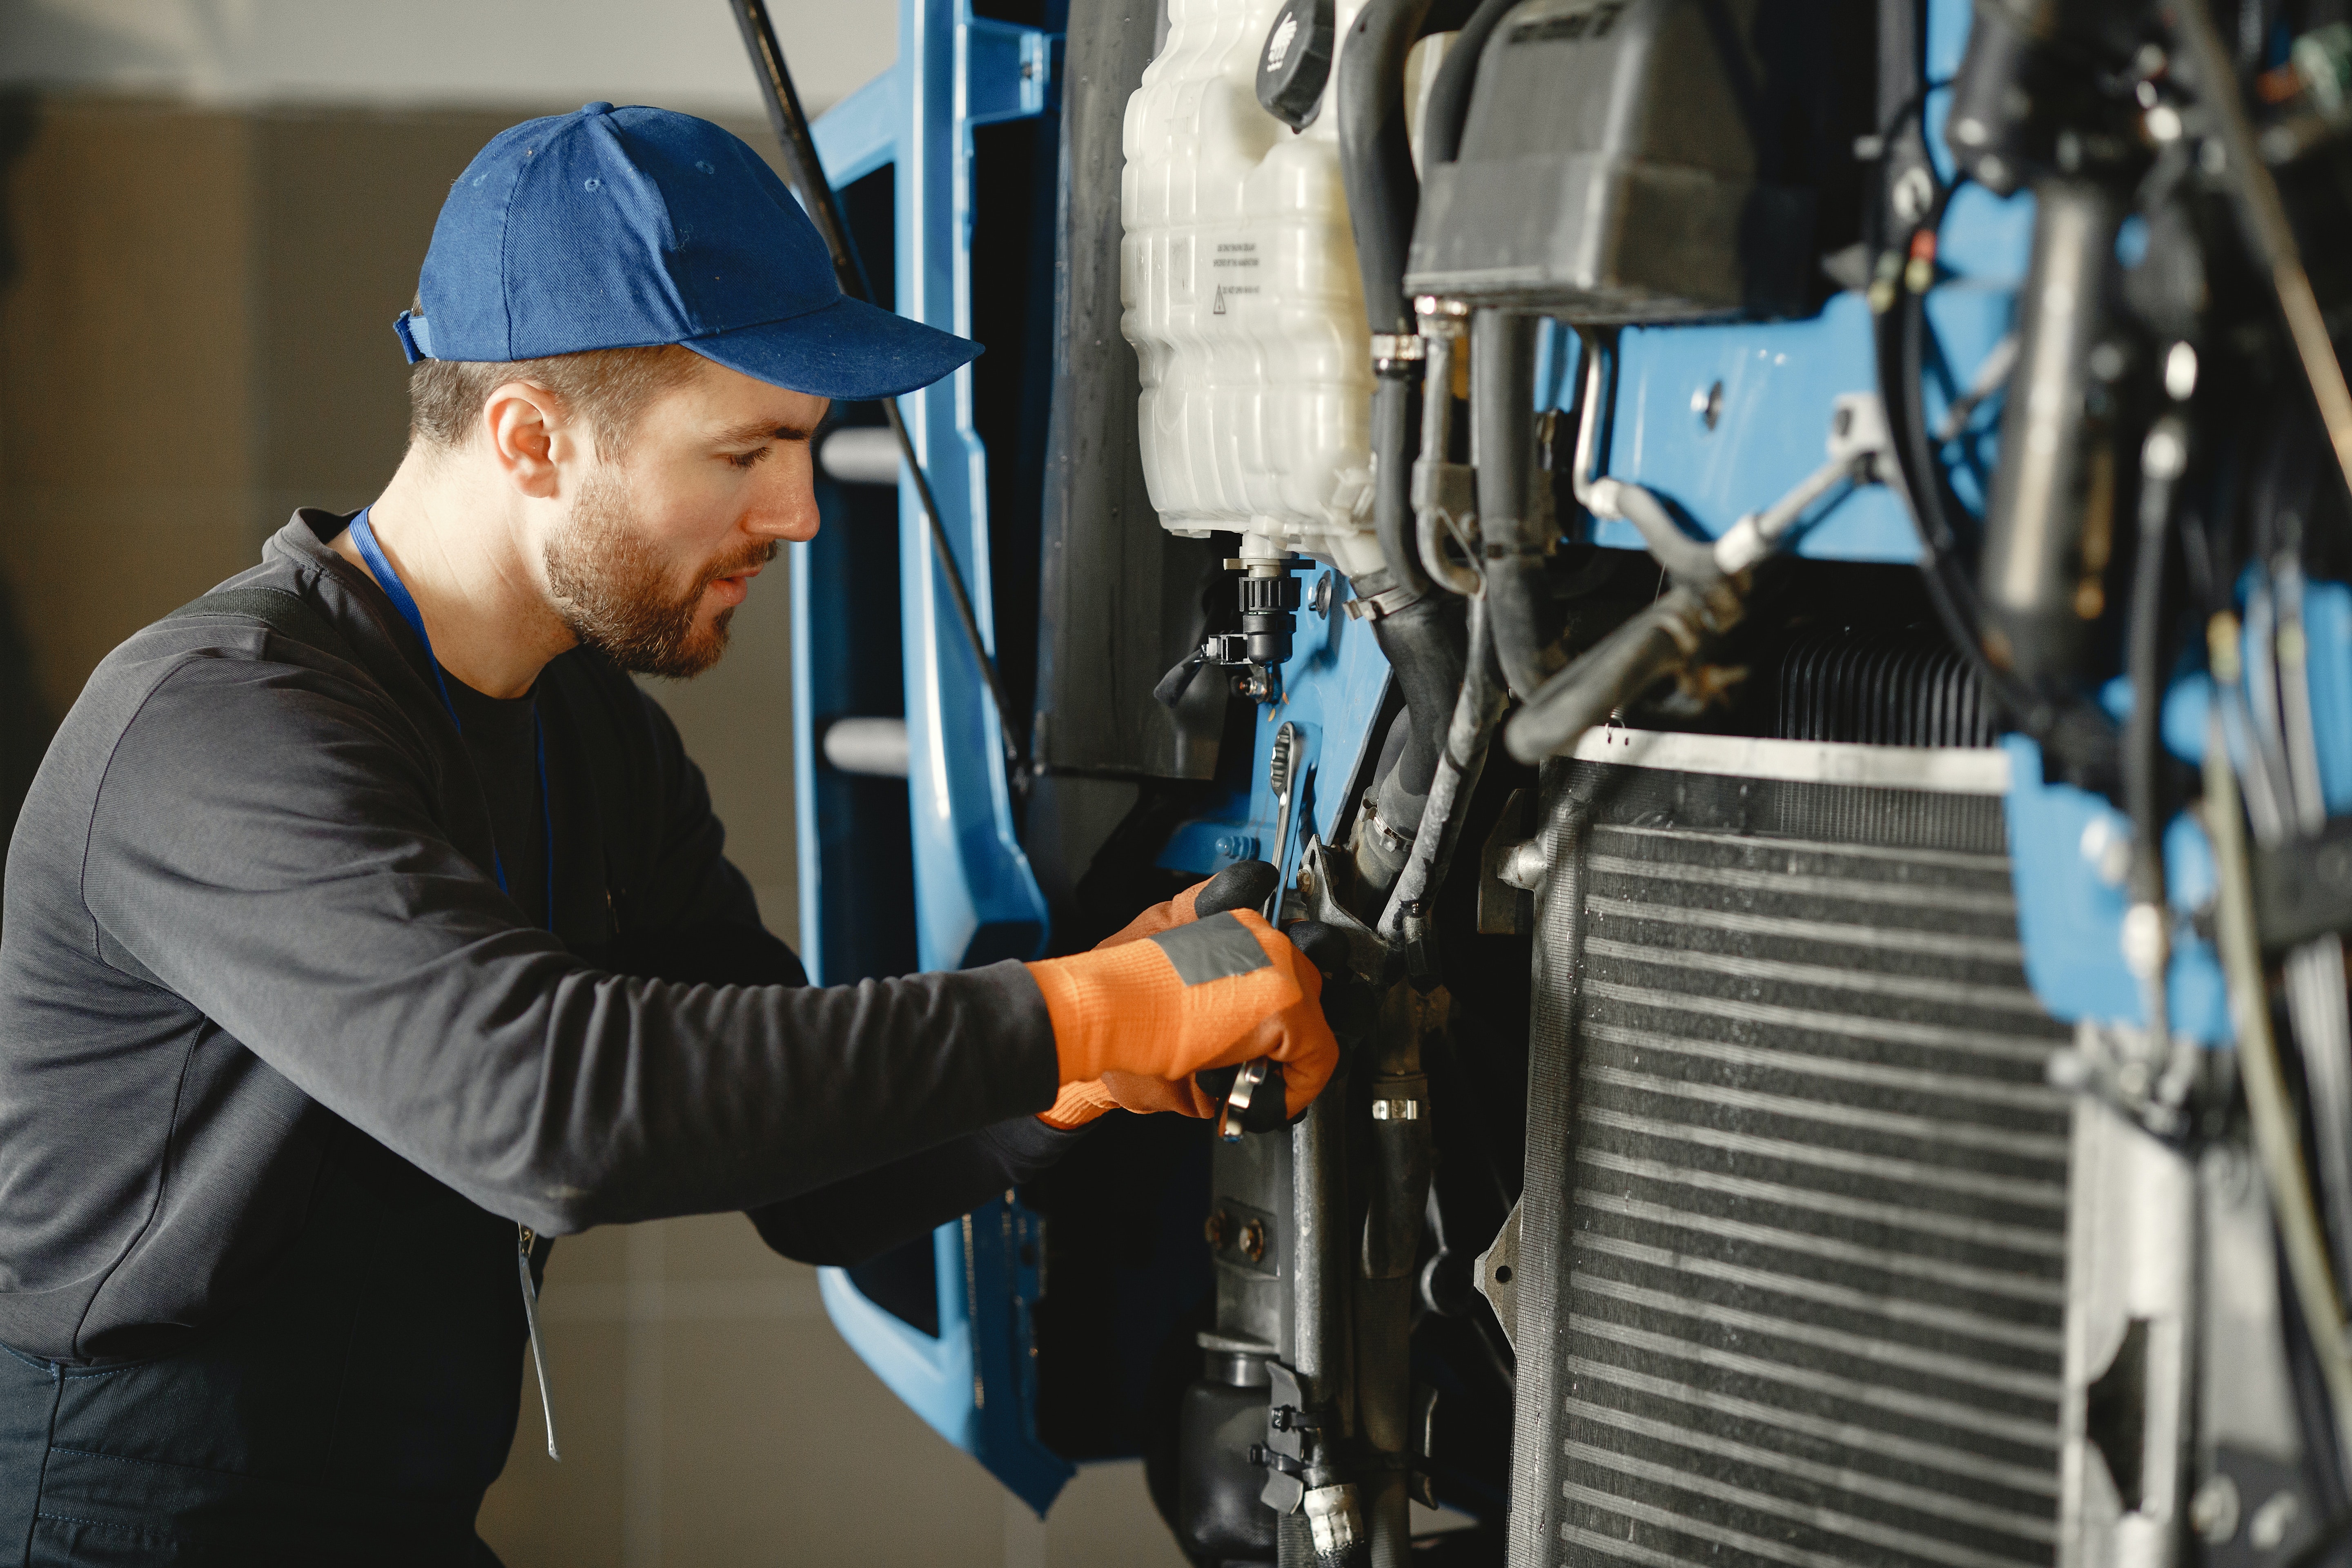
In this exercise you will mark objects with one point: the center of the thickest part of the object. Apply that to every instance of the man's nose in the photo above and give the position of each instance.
(787, 511)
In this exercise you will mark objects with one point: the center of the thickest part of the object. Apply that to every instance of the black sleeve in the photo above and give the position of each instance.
(263, 846)
(853, 1220)
(847, 1221)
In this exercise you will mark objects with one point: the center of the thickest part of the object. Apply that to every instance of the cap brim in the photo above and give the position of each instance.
(846, 349)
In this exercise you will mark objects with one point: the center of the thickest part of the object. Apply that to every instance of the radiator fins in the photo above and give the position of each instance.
(1881, 688)
(1804, 1283)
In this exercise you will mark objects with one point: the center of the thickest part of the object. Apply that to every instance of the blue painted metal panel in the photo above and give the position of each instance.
(1780, 381)
(975, 898)
(860, 134)
(2071, 917)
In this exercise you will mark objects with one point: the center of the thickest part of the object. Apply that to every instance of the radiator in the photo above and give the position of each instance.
(1791, 1258)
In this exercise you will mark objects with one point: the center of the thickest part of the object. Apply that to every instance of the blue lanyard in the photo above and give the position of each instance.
(401, 600)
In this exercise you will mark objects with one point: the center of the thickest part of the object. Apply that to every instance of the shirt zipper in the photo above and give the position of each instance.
(531, 1318)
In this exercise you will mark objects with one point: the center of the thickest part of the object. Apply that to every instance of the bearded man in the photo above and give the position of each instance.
(366, 925)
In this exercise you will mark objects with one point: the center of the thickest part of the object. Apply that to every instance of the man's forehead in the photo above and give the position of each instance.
(726, 403)
(781, 423)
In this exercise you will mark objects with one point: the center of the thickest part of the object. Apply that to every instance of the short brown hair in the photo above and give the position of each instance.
(608, 387)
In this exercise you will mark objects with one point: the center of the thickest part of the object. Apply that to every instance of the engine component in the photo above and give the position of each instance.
(1621, 162)
(1221, 1436)
(2050, 530)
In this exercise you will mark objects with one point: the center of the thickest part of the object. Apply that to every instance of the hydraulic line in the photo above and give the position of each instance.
(1376, 155)
(1319, 1297)
(1437, 507)
(1393, 457)
(2270, 1110)
(2148, 936)
(1656, 642)
(805, 173)
(2316, 1004)
(1406, 920)
(1502, 370)
(1448, 109)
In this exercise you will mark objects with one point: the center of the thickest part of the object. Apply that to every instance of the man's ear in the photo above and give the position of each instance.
(533, 437)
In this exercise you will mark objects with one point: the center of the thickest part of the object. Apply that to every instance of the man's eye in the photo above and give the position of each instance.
(746, 459)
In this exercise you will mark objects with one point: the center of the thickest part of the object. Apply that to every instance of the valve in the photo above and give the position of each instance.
(1268, 594)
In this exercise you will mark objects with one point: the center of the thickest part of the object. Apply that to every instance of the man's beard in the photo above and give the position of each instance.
(609, 587)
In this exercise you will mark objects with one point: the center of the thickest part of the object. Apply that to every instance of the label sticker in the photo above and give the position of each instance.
(1217, 948)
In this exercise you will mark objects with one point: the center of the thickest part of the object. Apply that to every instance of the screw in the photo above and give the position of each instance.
(1254, 1240)
(2213, 1511)
(2266, 1532)
(1708, 403)
(1215, 1230)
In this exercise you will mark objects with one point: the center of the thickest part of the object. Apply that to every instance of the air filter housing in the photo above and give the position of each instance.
(1629, 161)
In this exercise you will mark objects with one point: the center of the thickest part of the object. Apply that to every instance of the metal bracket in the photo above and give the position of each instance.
(1498, 1277)
(1007, 71)
(1506, 892)
(1286, 1424)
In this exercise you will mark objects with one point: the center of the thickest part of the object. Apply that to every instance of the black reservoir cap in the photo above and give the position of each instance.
(1297, 61)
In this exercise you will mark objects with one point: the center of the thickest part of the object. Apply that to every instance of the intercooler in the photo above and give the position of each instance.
(1791, 1269)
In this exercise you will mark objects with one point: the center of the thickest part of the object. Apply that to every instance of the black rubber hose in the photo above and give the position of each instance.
(1448, 109)
(1376, 157)
(1607, 675)
(1502, 397)
(1393, 449)
(1423, 643)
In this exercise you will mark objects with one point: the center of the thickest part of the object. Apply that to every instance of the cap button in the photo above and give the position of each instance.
(599, 107)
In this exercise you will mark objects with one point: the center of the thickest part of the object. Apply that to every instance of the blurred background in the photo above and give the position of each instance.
(210, 212)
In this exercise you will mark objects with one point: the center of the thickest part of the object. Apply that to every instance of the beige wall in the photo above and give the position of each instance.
(195, 337)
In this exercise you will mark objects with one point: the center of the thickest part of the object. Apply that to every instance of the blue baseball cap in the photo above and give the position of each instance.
(632, 228)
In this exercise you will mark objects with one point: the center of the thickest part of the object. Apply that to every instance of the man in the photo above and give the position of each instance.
(365, 925)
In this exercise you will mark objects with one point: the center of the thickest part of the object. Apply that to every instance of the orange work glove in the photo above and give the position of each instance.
(1212, 992)
(1245, 883)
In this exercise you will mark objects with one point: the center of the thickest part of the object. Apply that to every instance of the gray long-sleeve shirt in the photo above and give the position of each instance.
(249, 899)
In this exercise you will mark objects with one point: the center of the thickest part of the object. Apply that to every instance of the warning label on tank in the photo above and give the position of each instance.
(1232, 256)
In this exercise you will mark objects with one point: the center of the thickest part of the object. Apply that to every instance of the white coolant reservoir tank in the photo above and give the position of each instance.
(1238, 276)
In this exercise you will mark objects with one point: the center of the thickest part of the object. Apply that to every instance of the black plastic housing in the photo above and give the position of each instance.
(1629, 161)
(1219, 1516)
